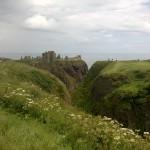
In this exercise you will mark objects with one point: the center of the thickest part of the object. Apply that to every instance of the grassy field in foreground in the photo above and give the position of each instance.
(18, 133)
(35, 115)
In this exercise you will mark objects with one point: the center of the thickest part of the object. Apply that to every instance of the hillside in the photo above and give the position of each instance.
(32, 79)
(35, 114)
(70, 72)
(19, 133)
(120, 90)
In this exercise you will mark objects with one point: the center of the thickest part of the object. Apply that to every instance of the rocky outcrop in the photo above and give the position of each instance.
(69, 72)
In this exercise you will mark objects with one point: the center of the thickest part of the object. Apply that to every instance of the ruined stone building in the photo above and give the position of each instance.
(76, 58)
(26, 58)
(49, 56)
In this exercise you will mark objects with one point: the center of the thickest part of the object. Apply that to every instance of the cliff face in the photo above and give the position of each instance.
(69, 72)
(120, 90)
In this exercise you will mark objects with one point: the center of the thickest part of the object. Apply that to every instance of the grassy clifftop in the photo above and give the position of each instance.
(120, 90)
(33, 115)
(125, 67)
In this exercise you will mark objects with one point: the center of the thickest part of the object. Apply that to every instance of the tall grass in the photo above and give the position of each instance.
(17, 133)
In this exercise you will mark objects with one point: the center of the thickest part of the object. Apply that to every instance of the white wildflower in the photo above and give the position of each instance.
(112, 122)
(146, 133)
(106, 118)
(124, 134)
(13, 92)
(31, 102)
(117, 138)
(72, 115)
(7, 96)
(29, 99)
(20, 94)
(132, 140)
(124, 129)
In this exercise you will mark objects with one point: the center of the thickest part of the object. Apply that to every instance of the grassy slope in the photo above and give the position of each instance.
(33, 115)
(126, 66)
(69, 72)
(120, 90)
(18, 74)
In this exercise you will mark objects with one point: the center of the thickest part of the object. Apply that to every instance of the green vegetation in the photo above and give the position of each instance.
(18, 133)
(69, 72)
(18, 74)
(34, 114)
(120, 90)
(125, 67)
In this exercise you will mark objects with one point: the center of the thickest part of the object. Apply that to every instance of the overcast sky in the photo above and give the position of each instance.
(75, 26)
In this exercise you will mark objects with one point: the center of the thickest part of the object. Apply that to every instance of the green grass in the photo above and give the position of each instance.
(73, 128)
(17, 73)
(70, 72)
(18, 133)
(125, 67)
(120, 90)
(34, 115)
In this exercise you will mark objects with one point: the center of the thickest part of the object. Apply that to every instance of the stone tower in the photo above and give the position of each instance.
(49, 56)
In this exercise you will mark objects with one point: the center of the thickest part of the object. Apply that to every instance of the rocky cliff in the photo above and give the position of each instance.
(69, 72)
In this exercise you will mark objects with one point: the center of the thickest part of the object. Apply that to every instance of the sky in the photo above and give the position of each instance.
(80, 26)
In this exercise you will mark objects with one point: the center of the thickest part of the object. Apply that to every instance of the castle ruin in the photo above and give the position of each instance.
(76, 58)
(49, 56)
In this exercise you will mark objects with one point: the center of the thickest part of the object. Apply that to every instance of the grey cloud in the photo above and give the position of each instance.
(14, 11)
(74, 25)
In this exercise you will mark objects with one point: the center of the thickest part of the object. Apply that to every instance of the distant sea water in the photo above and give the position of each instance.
(90, 58)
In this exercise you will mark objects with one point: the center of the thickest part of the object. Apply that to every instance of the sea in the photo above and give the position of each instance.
(89, 58)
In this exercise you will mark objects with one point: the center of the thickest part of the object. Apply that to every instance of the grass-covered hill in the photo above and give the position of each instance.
(30, 78)
(70, 72)
(120, 90)
(35, 114)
